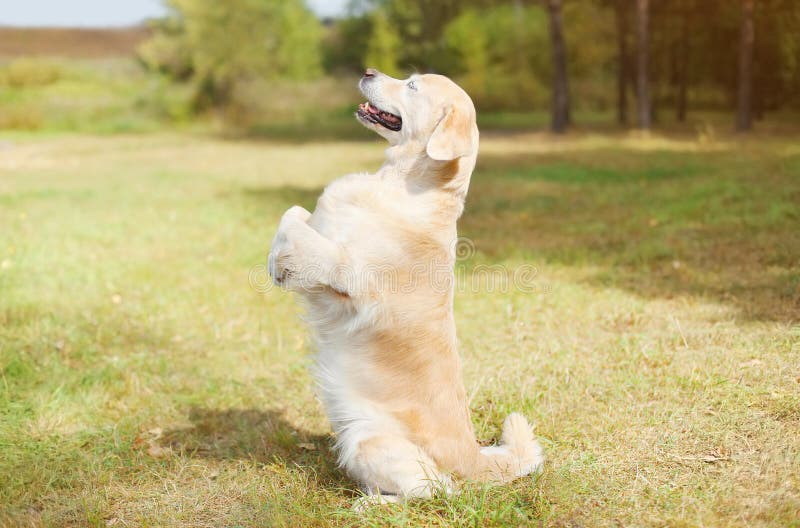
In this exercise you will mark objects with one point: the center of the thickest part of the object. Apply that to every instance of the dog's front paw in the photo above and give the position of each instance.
(279, 260)
(289, 264)
(296, 212)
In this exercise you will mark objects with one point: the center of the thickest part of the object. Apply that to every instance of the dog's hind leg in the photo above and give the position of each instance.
(393, 469)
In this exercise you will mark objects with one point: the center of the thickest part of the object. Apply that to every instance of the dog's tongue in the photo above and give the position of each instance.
(371, 109)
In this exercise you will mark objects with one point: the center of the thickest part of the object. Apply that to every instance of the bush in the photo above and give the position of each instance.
(21, 118)
(383, 46)
(221, 45)
(27, 72)
(259, 102)
(167, 51)
(91, 95)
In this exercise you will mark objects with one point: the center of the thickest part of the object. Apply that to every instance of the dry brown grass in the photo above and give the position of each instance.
(70, 42)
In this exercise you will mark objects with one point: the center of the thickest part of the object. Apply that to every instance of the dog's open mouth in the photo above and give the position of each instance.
(369, 113)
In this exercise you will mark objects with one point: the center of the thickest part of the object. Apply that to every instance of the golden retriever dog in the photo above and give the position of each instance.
(373, 265)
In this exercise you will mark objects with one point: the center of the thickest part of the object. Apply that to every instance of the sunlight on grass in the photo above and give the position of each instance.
(145, 383)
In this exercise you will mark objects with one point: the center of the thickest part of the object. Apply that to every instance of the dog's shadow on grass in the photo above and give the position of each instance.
(262, 436)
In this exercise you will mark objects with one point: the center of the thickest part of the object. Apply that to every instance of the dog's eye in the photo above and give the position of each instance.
(412, 85)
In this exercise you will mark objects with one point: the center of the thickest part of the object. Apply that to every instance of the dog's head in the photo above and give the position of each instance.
(424, 110)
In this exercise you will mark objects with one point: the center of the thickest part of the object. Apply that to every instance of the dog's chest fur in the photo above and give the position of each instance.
(374, 214)
(388, 226)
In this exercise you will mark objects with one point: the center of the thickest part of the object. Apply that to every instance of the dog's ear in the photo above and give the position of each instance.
(452, 137)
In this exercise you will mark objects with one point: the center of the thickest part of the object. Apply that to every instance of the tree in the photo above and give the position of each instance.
(495, 54)
(622, 20)
(682, 63)
(560, 96)
(643, 103)
(420, 24)
(236, 41)
(467, 41)
(384, 45)
(744, 118)
(344, 44)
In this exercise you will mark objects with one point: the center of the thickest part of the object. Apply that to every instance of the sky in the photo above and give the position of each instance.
(101, 13)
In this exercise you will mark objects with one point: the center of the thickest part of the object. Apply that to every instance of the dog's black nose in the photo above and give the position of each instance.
(371, 72)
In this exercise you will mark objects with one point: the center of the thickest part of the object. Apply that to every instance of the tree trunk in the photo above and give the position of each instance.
(644, 106)
(683, 67)
(623, 61)
(560, 104)
(744, 117)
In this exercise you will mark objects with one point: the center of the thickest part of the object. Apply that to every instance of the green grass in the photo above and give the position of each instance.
(110, 95)
(146, 382)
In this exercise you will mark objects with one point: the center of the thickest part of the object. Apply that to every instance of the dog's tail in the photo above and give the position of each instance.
(518, 453)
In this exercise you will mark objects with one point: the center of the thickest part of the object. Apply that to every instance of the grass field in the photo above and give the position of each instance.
(147, 382)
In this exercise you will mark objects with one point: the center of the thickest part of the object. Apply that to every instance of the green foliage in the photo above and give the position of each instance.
(591, 68)
(167, 51)
(297, 44)
(225, 43)
(421, 24)
(466, 37)
(232, 56)
(497, 56)
(384, 45)
(500, 51)
(344, 44)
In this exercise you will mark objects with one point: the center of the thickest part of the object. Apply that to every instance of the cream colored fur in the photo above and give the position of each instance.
(371, 265)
